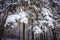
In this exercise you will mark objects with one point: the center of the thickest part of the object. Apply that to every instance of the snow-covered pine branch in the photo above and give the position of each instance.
(13, 18)
(41, 24)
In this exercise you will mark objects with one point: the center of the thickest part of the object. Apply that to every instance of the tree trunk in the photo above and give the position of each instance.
(54, 35)
(19, 27)
(23, 31)
(32, 29)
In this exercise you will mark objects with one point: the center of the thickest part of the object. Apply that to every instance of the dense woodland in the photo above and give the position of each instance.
(29, 19)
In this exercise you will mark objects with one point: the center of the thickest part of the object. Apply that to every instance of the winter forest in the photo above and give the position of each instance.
(29, 19)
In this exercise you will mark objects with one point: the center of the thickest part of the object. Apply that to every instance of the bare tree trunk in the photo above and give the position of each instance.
(28, 26)
(32, 29)
(46, 36)
(54, 35)
(23, 31)
(32, 35)
(2, 27)
(1, 31)
(28, 34)
(19, 27)
(41, 36)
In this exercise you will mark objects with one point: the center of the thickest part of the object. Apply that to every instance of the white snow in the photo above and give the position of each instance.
(46, 12)
(50, 24)
(48, 18)
(12, 26)
(35, 7)
(25, 0)
(13, 18)
(42, 24)
(23, 16)
(50, 21)
(45, 29)
(37, 30)
(24, 20)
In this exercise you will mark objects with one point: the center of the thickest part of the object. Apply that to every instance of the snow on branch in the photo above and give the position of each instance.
(13, 18)
(45, 23)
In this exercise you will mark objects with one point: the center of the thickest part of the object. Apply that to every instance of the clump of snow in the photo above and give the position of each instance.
(50, 24)
(23, 16)
(49, 20)
(45, 29)
(37, 30)
(25, 0)
(12, 26)
(42, 24)
(13, 18)
(46, 12)
(24, 20)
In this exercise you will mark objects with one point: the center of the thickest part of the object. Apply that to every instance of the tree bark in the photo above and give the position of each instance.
(23, 31)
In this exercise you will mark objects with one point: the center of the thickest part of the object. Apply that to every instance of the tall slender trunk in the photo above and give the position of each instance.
(19, 27)
(41, 36)
(23, 31)
(32, 29)
(54, 35)
(28, 26)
